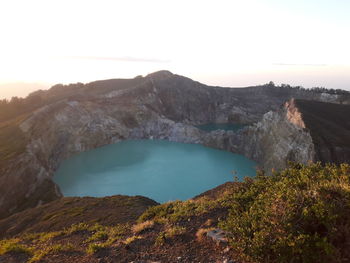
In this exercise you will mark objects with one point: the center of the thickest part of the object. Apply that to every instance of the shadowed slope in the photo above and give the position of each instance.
(329, 125)
(66, 211)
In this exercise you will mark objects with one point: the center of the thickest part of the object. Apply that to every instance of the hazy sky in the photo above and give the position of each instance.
(227, 43)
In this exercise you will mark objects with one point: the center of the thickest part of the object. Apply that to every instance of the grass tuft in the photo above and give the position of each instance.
(95, 247)
(129, 240)
(140, 227)
(13, 246)
(53, 249)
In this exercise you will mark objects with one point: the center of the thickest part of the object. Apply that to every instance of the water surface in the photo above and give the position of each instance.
(160, 170)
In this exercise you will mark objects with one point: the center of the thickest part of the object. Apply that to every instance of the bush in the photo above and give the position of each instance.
(94, 248)
(39, 254)
(76, 228)
(301, 214)
(172, 231)
(108, 234)
(13, 246)
(98, 236)
(179, 210)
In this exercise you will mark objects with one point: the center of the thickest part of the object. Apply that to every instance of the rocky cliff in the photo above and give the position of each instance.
(279, 137)
(160, 106)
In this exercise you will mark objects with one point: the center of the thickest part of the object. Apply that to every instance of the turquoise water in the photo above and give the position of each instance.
(220, 126)
(160, 170)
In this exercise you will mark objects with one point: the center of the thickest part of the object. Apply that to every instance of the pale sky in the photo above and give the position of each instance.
(228, 43)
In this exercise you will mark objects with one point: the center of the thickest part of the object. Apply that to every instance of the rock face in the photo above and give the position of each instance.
(160, 106)
(278, 138)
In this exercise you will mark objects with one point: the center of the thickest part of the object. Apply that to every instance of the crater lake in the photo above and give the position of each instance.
(158, 169)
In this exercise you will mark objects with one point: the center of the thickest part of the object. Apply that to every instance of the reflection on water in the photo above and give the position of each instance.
(158, 169)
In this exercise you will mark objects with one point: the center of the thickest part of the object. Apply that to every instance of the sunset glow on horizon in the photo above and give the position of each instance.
(224, 43)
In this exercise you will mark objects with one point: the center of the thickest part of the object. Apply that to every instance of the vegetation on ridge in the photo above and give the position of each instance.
(12, 140)
(301, 214)
(15, 107)
(285, 217)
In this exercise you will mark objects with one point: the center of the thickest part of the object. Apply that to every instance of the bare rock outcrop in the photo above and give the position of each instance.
(278, 138)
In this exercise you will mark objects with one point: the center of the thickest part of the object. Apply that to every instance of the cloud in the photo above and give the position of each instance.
(122, 59)
(300, 64)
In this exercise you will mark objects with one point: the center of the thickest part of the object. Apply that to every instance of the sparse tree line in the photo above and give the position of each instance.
(313, 89)
(17, 106)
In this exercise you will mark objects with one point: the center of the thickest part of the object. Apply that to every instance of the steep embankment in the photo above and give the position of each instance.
(329, 126)
(161, 105)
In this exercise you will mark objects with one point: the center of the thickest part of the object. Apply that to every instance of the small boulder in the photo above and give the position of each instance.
(218, 235)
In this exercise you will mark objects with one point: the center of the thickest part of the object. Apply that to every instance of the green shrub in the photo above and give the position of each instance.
(108, 234)
(160, 239)
(159, 211)
(173, 231)
(13, 246)
(174, 211)
(94, 248)
(99, 235)
(39, 254)
(301, 214)
(76, 228)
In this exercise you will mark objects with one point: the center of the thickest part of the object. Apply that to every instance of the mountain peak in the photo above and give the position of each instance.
(162, 74)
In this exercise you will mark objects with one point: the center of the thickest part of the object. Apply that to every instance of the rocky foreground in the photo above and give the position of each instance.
(107, 230)
(284, 217)
(162, 105)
